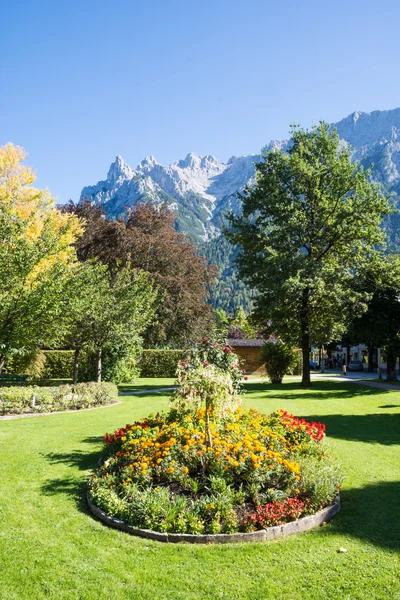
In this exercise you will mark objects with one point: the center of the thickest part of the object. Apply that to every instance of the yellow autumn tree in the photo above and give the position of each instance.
(37, 255)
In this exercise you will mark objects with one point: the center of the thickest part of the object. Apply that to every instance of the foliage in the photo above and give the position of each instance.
(162, 472)
(221, 322)
(25, 400)
(318, 476)
(309, 225)
(228, 293)
(297, 367)
(379, 326)
(159, 363)
(147, 240)
(213, 352)
(109, 312)
(276, 513)
(279, 360)
(240, 326)
(36, 246)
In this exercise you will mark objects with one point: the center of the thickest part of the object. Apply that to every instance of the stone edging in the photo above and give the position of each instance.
(56, 412)
(271, 533)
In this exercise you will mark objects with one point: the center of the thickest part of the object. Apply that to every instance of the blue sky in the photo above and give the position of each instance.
(82, 81)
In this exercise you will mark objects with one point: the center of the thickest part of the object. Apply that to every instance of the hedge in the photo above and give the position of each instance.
(34, 399)
(160, 363)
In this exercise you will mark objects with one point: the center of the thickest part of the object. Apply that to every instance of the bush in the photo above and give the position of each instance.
(279, 360)
(35, 399)
(161, 473)
(297, 367)
(59, 364)
(159, 363)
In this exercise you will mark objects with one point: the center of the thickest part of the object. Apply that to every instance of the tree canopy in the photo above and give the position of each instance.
(37, 256)
(310, 224)
(147, 240)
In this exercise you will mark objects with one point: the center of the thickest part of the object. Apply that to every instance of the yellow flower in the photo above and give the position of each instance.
(123, 438)
(170, 470)
(185, 470)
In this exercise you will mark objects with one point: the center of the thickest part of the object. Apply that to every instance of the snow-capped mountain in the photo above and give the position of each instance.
(200, 189)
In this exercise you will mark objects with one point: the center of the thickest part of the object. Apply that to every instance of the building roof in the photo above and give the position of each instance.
(245, 343)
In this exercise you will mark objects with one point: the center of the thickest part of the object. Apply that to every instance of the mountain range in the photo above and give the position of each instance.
(201, 189)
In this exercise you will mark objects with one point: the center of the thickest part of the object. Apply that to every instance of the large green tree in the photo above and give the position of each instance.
(108, 311)
(310, 222)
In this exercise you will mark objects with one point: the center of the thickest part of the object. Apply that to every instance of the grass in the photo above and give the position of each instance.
(50, 547)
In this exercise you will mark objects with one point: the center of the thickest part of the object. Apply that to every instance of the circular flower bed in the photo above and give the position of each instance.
(203, 469)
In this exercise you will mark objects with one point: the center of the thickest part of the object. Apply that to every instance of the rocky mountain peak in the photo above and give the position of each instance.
(148, 163)
(119, 171)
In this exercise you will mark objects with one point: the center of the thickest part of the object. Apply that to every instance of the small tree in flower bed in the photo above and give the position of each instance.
(206, 466)
(217, 353)
(210, 388)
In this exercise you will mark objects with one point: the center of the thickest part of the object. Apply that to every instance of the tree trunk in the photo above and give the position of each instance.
(371, 351)
(305, 340)
(76, 364)
(98, 368)
(209, 436)
(2, 361)
(391, 364)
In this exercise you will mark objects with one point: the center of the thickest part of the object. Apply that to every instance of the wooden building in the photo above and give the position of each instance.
(249, 351)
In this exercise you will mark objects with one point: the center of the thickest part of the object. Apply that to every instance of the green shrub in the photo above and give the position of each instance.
(159, 363)
(35, 399)
(320, 480)
(297, 368)
(59, 364)
(279, 360)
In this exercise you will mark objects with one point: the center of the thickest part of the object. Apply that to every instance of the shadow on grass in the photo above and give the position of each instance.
(321, 390)
(372, 514)
(142, 393)
(71, 486)
(372, 428)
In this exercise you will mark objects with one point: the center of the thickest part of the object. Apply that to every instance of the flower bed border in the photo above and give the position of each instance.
(270, 533)
(10, 416)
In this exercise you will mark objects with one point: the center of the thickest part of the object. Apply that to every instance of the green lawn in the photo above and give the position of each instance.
(50, 547)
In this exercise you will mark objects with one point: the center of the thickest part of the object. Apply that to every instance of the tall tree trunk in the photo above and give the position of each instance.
(391, 364)
(76, 365)
(2, 361)
(305, 339)
(371, 351)
(98, 367)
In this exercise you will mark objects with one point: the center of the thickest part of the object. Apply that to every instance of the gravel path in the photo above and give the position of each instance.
(361, 381)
